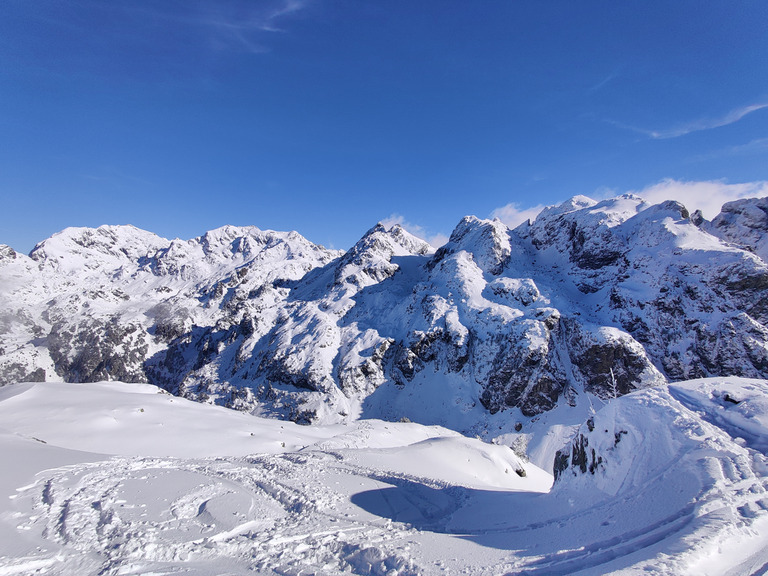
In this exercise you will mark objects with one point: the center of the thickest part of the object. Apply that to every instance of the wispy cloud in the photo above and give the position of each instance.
(697, 125)
(115, 177)
(242, 25)
(707, 196)
(513, 214)
(606, 80)
(436, 240)
(260, 18)
(602, 83)
(225, 26)
(288, 7)
(752, 147)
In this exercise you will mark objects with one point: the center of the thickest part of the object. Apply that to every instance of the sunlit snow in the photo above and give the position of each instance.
(112, 478)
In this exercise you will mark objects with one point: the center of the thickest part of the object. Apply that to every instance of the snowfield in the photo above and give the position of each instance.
(122, 479)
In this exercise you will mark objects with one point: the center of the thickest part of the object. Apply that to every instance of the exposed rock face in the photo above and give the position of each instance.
(99, 349)
(600, 298)
(744, 223)
(609, 362)
(7, 254)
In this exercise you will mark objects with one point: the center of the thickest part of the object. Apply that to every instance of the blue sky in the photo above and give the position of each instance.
(326, 116)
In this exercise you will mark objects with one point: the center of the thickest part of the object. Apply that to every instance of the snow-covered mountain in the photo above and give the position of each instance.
(97, 304)
(590, 300)
(613, 355)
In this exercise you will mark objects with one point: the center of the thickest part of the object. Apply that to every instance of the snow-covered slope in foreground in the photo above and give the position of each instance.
(123, 479)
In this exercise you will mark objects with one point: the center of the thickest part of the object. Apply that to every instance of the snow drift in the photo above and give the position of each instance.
(667, 480)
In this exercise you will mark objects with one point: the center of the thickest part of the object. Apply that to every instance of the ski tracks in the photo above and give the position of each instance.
(269, 514)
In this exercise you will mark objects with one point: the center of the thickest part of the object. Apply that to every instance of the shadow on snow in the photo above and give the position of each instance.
(546, 534)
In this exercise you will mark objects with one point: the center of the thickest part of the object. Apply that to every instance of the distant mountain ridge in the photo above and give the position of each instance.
(590, 299)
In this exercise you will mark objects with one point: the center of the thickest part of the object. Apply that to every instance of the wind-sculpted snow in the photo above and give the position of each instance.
(283, 504)
(694, 454)
(589, 301)
(668, 480)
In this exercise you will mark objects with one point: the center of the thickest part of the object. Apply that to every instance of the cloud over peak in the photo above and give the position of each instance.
(707, 196)
(435, 240)
(513, 214)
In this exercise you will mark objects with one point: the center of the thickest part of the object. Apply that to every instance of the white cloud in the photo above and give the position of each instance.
(697, 125)
(707, 196)
(513, 215)
(435, 240)
(707, 124)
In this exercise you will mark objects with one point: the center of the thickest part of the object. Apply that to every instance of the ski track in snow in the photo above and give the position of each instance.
(372, 499)
(279, 514)
(271, 514)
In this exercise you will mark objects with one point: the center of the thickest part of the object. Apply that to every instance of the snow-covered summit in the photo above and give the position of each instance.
(370, 259)
(487, 241)
(591, 299)
(75, 250)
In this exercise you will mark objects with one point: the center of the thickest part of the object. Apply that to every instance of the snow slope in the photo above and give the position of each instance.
(110, 478)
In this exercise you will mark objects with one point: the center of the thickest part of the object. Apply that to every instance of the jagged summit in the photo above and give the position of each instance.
(589, 300)
(744, 223)
(487, 240)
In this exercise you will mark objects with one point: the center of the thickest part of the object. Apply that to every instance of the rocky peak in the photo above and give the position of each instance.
(584, 229)
(395, 240)
(745, 223)
(227, 241)
(7, 253)
(370, 259)
(413, 244)
(487, 241)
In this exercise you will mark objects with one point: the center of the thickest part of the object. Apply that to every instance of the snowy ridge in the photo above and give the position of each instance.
(743, 222)
(105, 300)
(589, 301)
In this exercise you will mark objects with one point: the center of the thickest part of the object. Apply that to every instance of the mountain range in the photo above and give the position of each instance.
(589, 301)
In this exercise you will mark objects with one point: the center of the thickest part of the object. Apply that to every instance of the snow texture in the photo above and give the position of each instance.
(113, 479)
